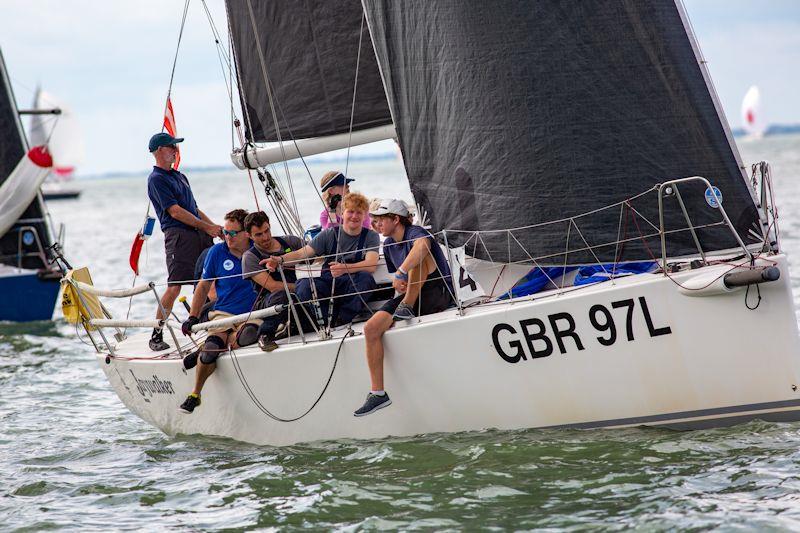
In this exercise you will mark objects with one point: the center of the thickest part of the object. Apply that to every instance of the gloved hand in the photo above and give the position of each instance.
(186, 327)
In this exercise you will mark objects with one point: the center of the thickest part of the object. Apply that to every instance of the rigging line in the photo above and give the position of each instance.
(224, 56)
(175, 60)
(270, 96)
(355, 89)
(566, 256)
(257, 402)
(242, 94)
(565, 219)
(289, 214)
(266, 411)
(591, 249)
(617, 254)
(536, 264)
(223, 62)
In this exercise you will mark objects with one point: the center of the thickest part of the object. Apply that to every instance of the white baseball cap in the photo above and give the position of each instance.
(391, 206)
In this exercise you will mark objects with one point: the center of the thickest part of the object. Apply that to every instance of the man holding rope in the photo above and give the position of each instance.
(351, 256)
(187, 230)
(235, 296)
(421, 279)
(269, 285)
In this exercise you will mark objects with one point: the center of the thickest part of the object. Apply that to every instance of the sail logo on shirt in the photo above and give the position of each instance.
(227, 264)
(536, 337)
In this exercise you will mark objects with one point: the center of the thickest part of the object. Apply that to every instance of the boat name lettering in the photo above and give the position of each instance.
(150, 387)
(536, 337)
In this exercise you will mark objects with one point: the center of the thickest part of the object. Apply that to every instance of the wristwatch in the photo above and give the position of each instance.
(401, 274)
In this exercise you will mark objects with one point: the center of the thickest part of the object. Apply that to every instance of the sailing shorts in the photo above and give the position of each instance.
(183, 246)
(433, 297)
(235, 330)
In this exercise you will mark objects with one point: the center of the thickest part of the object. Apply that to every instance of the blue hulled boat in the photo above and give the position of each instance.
(29, 284)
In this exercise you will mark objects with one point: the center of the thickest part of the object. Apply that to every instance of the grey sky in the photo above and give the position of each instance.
(111, 62)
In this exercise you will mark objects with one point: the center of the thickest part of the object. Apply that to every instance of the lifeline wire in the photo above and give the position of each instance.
(266, 411)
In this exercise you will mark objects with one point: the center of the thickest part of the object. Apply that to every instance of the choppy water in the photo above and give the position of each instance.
(72, 457)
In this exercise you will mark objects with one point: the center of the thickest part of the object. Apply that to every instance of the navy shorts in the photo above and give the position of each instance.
(433, 298)
(183, 247)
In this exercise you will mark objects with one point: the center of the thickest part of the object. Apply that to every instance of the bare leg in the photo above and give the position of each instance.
(167, 299)
(373, 335)
(416, 277)
(202, 373)
(204, 370)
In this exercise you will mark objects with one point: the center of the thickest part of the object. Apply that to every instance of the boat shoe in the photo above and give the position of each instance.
(373, 403)
(192, 401)
(403, 312)
(157, 343)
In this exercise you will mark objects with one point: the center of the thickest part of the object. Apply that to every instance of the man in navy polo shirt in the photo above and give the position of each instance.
(422, 279)
(187, 230)
(235, 296)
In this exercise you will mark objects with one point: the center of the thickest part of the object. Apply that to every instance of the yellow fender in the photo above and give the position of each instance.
(73, 307)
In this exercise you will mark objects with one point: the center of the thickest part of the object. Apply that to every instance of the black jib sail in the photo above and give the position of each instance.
(14, 250)
(310, 51)
(515, 113)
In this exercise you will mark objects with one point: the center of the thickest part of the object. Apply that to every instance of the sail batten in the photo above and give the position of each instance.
(511, 114)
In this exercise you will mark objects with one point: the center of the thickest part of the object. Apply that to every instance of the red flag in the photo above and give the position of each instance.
(172, 129)
(136, 250)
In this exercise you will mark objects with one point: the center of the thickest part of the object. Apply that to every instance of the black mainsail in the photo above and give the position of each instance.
(12, 148)
(310, 48)
(514, 113)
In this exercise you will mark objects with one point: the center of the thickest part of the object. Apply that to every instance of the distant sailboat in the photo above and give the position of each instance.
(62, 134)
(752, 116)
(28, 283)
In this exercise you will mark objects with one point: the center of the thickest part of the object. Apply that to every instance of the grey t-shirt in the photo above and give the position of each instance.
(250, 259)
(324, 244)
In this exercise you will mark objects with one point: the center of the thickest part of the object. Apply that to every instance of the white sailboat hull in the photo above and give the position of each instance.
(718, 363)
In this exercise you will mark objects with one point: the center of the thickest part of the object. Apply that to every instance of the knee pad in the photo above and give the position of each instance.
(248, 334)
(212, 349)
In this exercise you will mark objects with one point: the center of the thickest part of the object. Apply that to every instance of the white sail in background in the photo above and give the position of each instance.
(752, 116)
(61, 133)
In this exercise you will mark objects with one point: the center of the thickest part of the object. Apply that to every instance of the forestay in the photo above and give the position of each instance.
(516, 113)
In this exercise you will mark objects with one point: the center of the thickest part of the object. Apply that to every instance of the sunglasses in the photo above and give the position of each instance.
(232, 232)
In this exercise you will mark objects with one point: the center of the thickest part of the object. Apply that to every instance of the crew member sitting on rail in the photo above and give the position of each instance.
(268, 286)
(422, 277)
(235, 296)
(351, 256)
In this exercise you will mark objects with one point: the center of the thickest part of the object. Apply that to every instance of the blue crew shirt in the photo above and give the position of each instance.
(167, 188)
(395, 254)
(235, 295)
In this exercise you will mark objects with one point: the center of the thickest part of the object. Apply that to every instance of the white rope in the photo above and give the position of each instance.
(238, 319)
(112, 293)
(115, 323)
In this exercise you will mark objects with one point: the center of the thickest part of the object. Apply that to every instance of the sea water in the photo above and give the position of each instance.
(73, 457)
